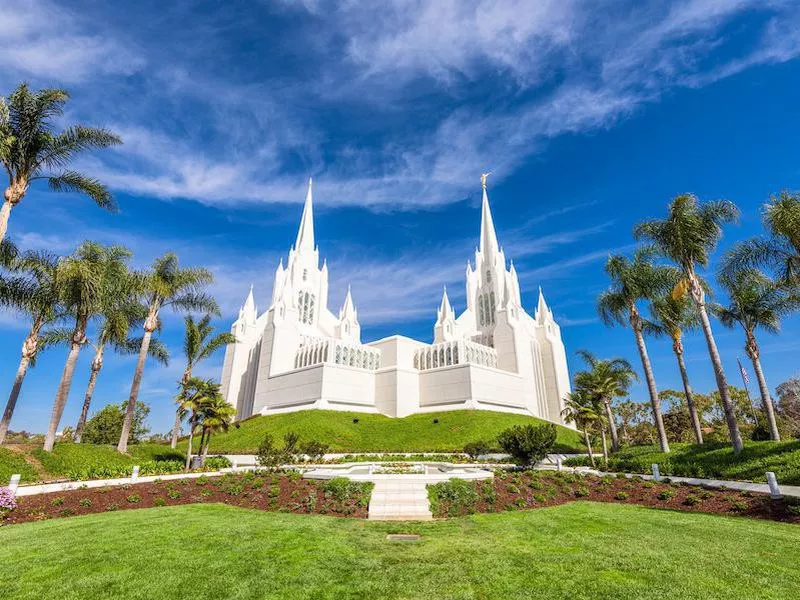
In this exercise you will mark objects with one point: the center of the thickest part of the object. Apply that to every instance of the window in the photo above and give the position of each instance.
(305, 274)
(305, 307)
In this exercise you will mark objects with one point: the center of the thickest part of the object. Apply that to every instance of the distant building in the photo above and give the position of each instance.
(299, 355)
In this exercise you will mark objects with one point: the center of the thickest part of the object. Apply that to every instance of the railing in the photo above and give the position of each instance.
(457, 352)
(321, 350)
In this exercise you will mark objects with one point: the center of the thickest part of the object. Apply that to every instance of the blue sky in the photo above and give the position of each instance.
(591, 116)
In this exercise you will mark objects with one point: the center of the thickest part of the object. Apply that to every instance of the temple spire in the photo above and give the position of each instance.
(348, 310)
(488, 234)
(445, 308)
(305, 235)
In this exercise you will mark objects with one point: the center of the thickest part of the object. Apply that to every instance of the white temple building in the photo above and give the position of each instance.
(299, 355)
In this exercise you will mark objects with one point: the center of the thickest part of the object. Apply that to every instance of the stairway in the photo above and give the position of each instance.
(399, 500)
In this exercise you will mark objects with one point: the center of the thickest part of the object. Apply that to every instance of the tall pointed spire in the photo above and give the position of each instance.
(488, 234)
(445, 308)
(541, 308)
(249, 307)
(348, 310)
(305, 235)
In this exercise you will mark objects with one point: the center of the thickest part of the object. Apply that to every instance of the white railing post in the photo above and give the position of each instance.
(774, 490)
(135, 473)
(558, 463)
(13, 483)
(656, 473)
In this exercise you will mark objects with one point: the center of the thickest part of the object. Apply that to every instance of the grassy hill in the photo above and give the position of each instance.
(378, 433)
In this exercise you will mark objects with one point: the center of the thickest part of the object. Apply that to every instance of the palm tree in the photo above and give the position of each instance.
(195, 397)
(119, 314)
(580, 408)
(30, 150)
(671, 317)
(606, 379)
(83, 280)
(757, 302)
(633, 280)
(217, 416)
(779, 250)
(196, 347)
(165, 285)
(35, 295)
(687, 236)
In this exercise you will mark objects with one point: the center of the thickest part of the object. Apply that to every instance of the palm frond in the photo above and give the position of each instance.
(74, 140)
(72, 181)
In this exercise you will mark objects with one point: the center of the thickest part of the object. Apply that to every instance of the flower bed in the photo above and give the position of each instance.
(534, 489)
(271, 492)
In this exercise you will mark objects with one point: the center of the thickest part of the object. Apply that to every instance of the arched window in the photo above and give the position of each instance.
(488, 276)
(449, 358)
(480, 310)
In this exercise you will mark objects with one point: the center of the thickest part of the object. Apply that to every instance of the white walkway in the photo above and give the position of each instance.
(400, 499)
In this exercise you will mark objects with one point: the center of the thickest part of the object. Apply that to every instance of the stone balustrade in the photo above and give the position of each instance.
(322, 350)
(456, 352)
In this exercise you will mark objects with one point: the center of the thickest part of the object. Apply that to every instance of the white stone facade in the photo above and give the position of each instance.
(299, 355)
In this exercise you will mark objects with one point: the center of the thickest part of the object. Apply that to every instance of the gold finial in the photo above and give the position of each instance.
(483, 179)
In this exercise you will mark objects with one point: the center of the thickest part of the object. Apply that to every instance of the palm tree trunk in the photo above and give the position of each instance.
(605, 445)
(687, 389)
(612, 425)
(189, 449)
(655, 401)
(5, 213)
(29, 349)
(176, 428)
(589, 452)
(149, 327)
(97, 364)
(722, 382)
(766, 400)
(202, 441)
(208, 443)
(78, 337)
(12, 398)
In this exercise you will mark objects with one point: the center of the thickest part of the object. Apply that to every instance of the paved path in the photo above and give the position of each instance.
(398, 499)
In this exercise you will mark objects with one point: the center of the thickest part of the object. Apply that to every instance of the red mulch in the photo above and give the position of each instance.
(518, 491)
(263, 491)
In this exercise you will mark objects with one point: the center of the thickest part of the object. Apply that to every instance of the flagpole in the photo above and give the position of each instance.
(747, 390)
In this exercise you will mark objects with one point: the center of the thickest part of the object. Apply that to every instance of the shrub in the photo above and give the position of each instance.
(341, 488)
(216, 463)
(112, 507)
(666, 494)
(739, 506)
(314, 450)
(528, 444)
(581, 492)
(7, 500)
(85, 502)
(454, 496)
(159, 501)
(134, 498)
(57, 501)
(269, 455)
(513, 489)
(174, 494)
(692, 500)
(476, 449)
(622, 496)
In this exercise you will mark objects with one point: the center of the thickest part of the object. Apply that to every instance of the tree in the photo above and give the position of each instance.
(83, 280)
(756, 302)
(30, 150)
(607, 379)
(198, 344)
(671, 317)
(120, 312)
(580, 408)
(788, 394)
(633, 280)
(779, 250)
(34, 294)
(165, 285)
(196, 397)
(688, 236)
(217, 416)
(528, 444)
(105, 425)
(633, 422)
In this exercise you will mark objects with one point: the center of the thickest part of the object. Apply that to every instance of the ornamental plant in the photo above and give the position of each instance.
(7, 500)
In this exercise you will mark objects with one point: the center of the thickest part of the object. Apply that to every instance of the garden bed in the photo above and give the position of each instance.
(535, 489)
(270, 492)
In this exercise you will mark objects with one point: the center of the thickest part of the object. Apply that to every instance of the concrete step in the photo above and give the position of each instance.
(399, 501)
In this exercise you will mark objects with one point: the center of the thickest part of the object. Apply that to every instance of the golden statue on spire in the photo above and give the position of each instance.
(483, 179)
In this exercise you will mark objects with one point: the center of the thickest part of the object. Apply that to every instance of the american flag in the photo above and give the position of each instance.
(745, 378)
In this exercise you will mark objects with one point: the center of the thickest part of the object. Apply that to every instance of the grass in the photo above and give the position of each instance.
(11, 463)
(69, 458)
(716, 461)
(577, 551)
(378, 433)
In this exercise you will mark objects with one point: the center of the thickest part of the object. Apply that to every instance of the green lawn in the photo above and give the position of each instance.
(716, 461)
(68, 458)
(378, 433)
(575, 551)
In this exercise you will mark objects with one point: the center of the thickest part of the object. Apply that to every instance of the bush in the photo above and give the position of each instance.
(622, 496)
(105, 426)
(269, 455)
(476, 449)
(159, 501)
(454, 496)
(7, 500)
(217, 462)
(314, 450)
(666, 494)
(581, 492)
(692, 500)
(528, 444)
